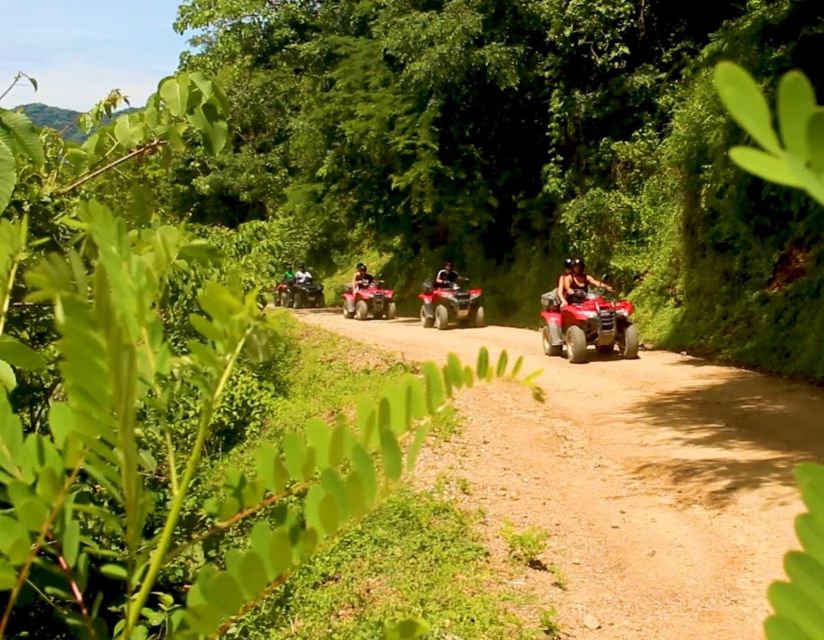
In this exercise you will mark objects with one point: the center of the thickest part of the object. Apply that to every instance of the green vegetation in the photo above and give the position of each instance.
(64, 121)
(133, 356)
(415, 557)
(796, 160)
(533, 130)
(525, 546)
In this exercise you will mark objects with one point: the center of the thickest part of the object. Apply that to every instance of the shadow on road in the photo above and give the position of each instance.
(753, 429)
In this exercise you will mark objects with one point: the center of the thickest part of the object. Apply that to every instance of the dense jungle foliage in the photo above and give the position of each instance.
(509, 134)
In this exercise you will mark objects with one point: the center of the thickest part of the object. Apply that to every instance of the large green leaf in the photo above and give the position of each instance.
(746, 103)
(765, 165)
(19, 355)
(814, 139)
(212, 128)
(8, 175)
(25, 136)
(175, 94)
(796, 102)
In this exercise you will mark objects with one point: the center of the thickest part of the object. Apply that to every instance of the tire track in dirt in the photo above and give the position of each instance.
(666, 482)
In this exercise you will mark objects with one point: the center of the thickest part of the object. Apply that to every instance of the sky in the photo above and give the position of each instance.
(78, 50)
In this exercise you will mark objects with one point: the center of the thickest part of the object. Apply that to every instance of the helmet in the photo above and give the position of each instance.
(302, 268)
(568, 263)
(578, 262)
(361, 266)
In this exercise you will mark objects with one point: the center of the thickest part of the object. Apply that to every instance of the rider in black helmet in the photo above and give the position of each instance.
(446, 276)
(552, 299)
(362, 277)
(576, 284)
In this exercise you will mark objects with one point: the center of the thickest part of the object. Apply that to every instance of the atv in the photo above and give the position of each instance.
(454, 304)
(299, 295)
(371, 299)
(590, 320)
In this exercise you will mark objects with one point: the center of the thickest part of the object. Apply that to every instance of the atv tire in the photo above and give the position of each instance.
(297, 301)
(346, 313)
(319, 303)
(441, 318)
(284, 299)
(551, 350)
(576, 341)
(479, 320)
(426, 321)
(391, 311)
(361, 310)
(628, 342)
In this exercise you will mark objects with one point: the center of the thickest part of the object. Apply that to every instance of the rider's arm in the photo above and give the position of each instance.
(562, 289)
(597, 283)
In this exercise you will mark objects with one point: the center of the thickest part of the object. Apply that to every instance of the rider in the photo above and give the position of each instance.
(446, 276)
(576, 285)
(302, 275)
(362, 277)
(552, 298)
(288, 275)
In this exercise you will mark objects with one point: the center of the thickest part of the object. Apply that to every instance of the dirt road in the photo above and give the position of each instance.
(665, 481)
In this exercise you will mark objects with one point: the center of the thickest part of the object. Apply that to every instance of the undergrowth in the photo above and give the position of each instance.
(416, 556)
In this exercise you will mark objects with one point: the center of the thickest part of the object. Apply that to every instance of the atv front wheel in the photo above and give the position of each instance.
(361, 310)
(426, 321)
(480, 318)
(346, 313)
(297, 301)
(391, 311)
(628, 342)
(441, 317)
(576, 341)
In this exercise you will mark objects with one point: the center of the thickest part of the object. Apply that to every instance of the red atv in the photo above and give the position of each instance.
(593, 320)
(372, 299)
(441, 307)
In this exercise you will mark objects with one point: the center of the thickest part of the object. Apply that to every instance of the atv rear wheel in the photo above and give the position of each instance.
(576, 341)
(426, 321)
(361, 310)
(628, 342)
(441, 317)
(319, 302)
(391, 311)
(480, 318)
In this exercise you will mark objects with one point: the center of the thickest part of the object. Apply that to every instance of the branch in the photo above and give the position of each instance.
(159, 556)
(44, 531)
(78, 596)
(149, 147)
(238, 517)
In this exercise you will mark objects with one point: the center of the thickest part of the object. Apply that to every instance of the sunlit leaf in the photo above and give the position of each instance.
(746, 104)
(765, 166)
(796, 102)
(8, 176)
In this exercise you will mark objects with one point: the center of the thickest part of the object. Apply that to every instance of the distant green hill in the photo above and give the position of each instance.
(59, 119)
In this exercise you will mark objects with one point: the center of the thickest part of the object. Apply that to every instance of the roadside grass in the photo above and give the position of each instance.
(416, 556)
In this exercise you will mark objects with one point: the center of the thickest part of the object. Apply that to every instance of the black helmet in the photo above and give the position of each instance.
(361, 266)
(578, 262)
(302, 268)
(568, 263)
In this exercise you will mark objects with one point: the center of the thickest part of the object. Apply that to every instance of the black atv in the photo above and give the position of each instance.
(306, 294)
